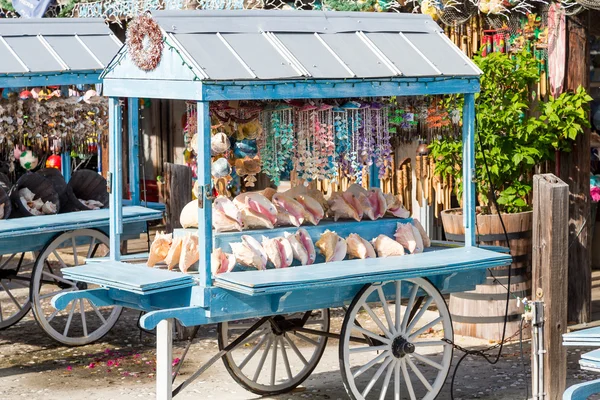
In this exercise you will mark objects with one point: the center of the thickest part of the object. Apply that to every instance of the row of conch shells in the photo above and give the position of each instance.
(37, 206)
(358, 203)
(179, 251)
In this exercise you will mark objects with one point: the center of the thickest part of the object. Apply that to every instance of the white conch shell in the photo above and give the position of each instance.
(38, 204)
(279, 250)
(395, 207)
(331, 246)
(250, 253)
(226, 216)
(257, 210)
(219, 143)
(424, 237)
(314, 212)
(254, 220)
(159, 248)
(189, 215)
(387, 247)
(378, 202)
(298, 249)
(359, 247)
(221, 262)
(405, 235)
(361, 200)
(315, 194)
(174, 253)
(289, 211)
(418, 239)
(190, 253)
(49, 208)
(27, 194)
(340, 207)
(304, 238)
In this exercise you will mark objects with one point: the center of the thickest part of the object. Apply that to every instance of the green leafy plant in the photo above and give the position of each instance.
(511, 137)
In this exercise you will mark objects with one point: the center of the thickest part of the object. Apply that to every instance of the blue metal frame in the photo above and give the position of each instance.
(54, 79)
(133, 121)
(115, 177)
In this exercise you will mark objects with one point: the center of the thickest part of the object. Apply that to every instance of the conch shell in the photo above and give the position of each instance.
(226, 216)
(189, 215)
(313, 211)
(331, 246)
(313, 193)
(250, 253)
(159, 248)
(424, 237)
(174, 253)
(268, 193)
(27, 194)
(341, 208)
(221, 262)
(378, 202)
(387, 247)
(1, 211)
(279, 250)
(298, 250)
(289, 211)
(49, 208)
(304, 238)
(190, 253)
(359, 247)
(257, 210)
(359, 198)
(395, 207)
(219, 143)
(409, 237)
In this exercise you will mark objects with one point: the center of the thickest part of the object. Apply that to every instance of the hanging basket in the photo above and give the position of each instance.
(86, 185)
(40, 186)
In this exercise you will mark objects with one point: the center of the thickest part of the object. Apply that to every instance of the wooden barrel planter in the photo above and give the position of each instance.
(86, 185)
(40, 186)
(480, 313)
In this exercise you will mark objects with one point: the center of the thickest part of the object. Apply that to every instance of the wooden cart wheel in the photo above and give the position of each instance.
(81, 322)
(291, 345)
(405, 357)
(15, 274)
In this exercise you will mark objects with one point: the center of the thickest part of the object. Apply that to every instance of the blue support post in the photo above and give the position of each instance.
(374, 176)
(469, 176)
(134, 150)
(115, 177)
(204, 204)
(65, 157)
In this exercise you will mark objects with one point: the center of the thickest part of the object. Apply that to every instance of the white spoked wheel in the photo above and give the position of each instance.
(81, 322)
(291, 345)
(15, 274)
(402, 354)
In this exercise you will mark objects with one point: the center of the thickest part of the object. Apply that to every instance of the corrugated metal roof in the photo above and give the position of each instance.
(271, 45)
(55, 45)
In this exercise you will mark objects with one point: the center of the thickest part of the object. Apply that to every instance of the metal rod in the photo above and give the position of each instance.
(185, 351)
(330, 335)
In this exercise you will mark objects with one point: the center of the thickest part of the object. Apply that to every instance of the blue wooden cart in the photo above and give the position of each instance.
(34, 250)
(273, 326)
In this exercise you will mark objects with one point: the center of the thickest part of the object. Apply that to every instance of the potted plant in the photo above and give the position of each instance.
(513, 136)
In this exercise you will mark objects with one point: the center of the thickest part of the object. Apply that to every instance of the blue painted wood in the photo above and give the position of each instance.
(134, 150)
(116, 173)
(65, 163)
(592, 356)
(148, 204)
(205, 179)
(582, 391)
(99, 297)
(290, 89)
(66, 78)
(469, 168)
(590, 333)
(135, 257)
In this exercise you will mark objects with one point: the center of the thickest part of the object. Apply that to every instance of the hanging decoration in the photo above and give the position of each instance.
(145, 42)
(275, 146)
(381, 132)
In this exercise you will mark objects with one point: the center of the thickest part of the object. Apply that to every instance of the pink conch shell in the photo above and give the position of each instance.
(226, 216)
(405, 235)
(174, 253)
(420, 245)
(279, 250)
(289, 211)
(250, 253)
(261, 208)
(331, 246)
(361, 200)
(159, 248)
(356, 203)
(424, 237)
(378, 202)
(395, 207)
(299, 251)
(221, 262)
(308, 244)
(359, 247)
(313, 193)
(190, 254)
(314, 212)
(340, 208)
(387, 247)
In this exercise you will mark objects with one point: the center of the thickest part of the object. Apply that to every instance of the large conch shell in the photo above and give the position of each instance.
(250, 253)
(279, 251)
(395, 207)
(340, 207)
(387, 247)
(159, 248)
(221, 262)
(378, 202)
(174, 253)
(358, 196)
(289, 211)
(316, 194)
(298, 249)
(409, 237)
(268, 193)
(219, 143)
(226, 216)
(257, 211)
(189, 215)
(190, 253)
(359, 247)
(424, 236)
(331, 246)
(313, 211)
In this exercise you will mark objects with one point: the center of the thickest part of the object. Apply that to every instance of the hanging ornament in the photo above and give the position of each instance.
(54, 161)
(277, 142)
(219, 143)
(304, 157)
(383, 148)
(28, 160)
(220, 168)
(340, 118)
(145, 42)
(248, 167)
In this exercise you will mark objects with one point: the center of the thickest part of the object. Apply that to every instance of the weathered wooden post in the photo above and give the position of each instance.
(550, 274)
(178, 192)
